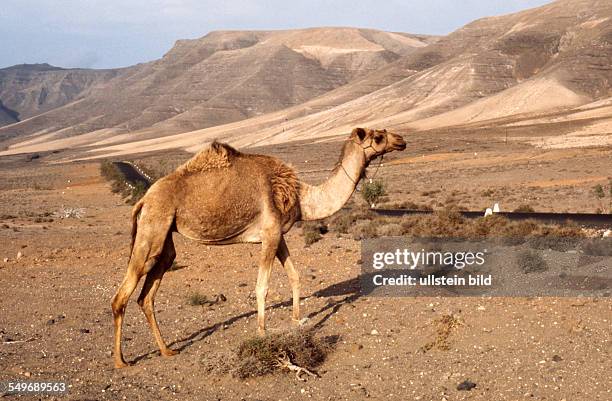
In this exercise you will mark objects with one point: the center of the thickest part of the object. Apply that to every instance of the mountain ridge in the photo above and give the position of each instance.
(552, 58)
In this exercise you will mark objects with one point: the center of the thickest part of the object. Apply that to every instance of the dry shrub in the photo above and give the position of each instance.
(118, 183)
(363, 223)
(407, 205)
(439, 224)
(197, 299)
(390, 230)
(445, 326)
(524, 208)
(365, 229)
(312, 231)
(452, 224)
(530, 261)
(597, 247)
(258, 356)
(345, 219)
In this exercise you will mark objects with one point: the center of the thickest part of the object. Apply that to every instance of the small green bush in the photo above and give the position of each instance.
(138, 192)
(373, 191)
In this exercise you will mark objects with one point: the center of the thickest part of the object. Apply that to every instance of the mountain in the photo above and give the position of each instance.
(554, 57)
(223, 77)
(535, 65)
(7, 116)
(31, 89)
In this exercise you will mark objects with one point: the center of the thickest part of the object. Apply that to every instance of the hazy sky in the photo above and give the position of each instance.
(115, 33)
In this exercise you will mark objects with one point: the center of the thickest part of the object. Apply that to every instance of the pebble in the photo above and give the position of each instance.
(466, 385)
(6, 260)
(374, 332)
(19, 255)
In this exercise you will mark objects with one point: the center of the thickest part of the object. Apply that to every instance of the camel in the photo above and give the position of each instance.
(222, 196)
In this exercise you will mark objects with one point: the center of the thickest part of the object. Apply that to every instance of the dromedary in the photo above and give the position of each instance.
(222, 196)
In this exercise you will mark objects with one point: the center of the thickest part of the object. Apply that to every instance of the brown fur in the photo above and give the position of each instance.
(135, 211)
(217, 155)
(285, 187)
(221, 196)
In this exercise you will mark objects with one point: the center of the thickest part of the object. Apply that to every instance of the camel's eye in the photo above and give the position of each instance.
(378, 139)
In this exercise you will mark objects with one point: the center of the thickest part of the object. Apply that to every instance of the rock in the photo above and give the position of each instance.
(374, 332)
(466, 385)
(85, 331)
(556, 358)
(19, 255)
(5, 260)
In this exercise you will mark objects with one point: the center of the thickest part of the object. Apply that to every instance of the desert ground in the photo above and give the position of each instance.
(56, 321)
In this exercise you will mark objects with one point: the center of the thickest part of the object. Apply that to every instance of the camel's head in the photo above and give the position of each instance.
(377, 142)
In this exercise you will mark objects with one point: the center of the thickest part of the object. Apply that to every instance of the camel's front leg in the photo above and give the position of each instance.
(270, 241)
(294, 278)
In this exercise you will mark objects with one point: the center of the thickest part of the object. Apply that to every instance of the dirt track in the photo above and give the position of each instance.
(57, 296)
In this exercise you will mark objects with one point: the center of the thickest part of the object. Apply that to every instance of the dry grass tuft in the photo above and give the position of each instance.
(445, 326)
(312, 231)
(258, 356)
(362, 223)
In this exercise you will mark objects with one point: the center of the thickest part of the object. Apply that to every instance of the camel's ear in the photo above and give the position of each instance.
(359, 133)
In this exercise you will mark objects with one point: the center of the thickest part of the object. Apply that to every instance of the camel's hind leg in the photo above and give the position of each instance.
(146, 300)
(147, 249)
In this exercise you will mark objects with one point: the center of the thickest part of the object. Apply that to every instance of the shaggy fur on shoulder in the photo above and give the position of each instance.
(285, 186)
(217, 155)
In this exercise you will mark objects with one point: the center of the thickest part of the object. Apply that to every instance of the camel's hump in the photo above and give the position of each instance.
(216, 155)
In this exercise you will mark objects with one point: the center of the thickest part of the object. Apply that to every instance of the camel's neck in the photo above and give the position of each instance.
(321, 201)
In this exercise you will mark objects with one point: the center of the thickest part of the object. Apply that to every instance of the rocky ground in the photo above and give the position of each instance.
(57, 276)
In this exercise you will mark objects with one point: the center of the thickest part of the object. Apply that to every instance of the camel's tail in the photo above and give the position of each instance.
(135, 212)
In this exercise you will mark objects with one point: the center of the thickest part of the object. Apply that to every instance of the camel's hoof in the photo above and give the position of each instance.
(300, 322)
(169, 352)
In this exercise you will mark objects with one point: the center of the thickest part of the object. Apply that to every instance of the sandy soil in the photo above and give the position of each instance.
(57, 297)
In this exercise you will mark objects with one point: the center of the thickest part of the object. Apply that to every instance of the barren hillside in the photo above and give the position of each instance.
(539, 63)
(224, 77)
(30, 89)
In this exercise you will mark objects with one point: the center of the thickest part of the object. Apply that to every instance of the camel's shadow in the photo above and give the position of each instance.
(349, 289)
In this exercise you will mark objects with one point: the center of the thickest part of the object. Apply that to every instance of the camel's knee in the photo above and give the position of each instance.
(118, 306)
